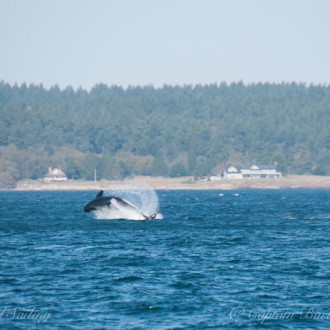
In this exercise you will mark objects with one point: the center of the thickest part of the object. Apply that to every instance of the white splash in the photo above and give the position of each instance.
(140, 194)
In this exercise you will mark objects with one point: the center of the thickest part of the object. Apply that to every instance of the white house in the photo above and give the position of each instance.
(252, 172)
(232, 173)
(260, 172)
(55, 175)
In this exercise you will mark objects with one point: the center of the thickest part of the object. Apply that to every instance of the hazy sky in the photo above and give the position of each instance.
(141, 42)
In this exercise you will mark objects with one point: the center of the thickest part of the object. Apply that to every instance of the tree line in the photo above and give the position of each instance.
(167, 131)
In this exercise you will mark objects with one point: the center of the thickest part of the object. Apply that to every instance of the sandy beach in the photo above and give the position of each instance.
(290, 181)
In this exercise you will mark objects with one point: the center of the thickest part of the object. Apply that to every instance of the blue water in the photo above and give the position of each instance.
(257, 260)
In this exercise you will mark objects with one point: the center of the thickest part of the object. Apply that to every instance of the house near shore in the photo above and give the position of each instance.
(232, 173)
(55, 175)
(251, 172)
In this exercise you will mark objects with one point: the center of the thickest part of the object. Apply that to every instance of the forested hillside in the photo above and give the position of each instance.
(168, 131)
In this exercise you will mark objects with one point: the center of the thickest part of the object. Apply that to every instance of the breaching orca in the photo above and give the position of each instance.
(113, 202)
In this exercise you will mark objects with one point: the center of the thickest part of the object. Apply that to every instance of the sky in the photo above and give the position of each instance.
(81, 43)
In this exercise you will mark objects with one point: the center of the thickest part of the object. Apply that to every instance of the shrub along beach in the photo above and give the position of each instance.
(290, 181)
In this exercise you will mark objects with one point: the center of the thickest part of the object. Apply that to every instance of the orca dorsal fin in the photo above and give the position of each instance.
(100, 194)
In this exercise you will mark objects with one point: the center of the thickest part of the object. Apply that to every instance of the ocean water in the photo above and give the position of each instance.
(218, 260)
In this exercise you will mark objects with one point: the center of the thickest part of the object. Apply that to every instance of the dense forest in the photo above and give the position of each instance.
(168, 131)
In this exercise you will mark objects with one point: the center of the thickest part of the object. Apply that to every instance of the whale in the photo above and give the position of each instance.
(101, 202)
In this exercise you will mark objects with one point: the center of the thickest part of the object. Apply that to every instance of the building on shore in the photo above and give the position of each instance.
(55, 175)
(251, 172)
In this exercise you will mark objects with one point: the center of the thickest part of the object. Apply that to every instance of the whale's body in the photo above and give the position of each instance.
(115, 204)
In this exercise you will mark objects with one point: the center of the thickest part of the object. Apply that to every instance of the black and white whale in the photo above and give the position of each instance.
(116, 204)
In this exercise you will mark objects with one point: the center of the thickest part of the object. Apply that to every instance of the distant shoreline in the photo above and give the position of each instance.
(290, 181)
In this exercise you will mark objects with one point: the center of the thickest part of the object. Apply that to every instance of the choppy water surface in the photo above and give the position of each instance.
(218, 259)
